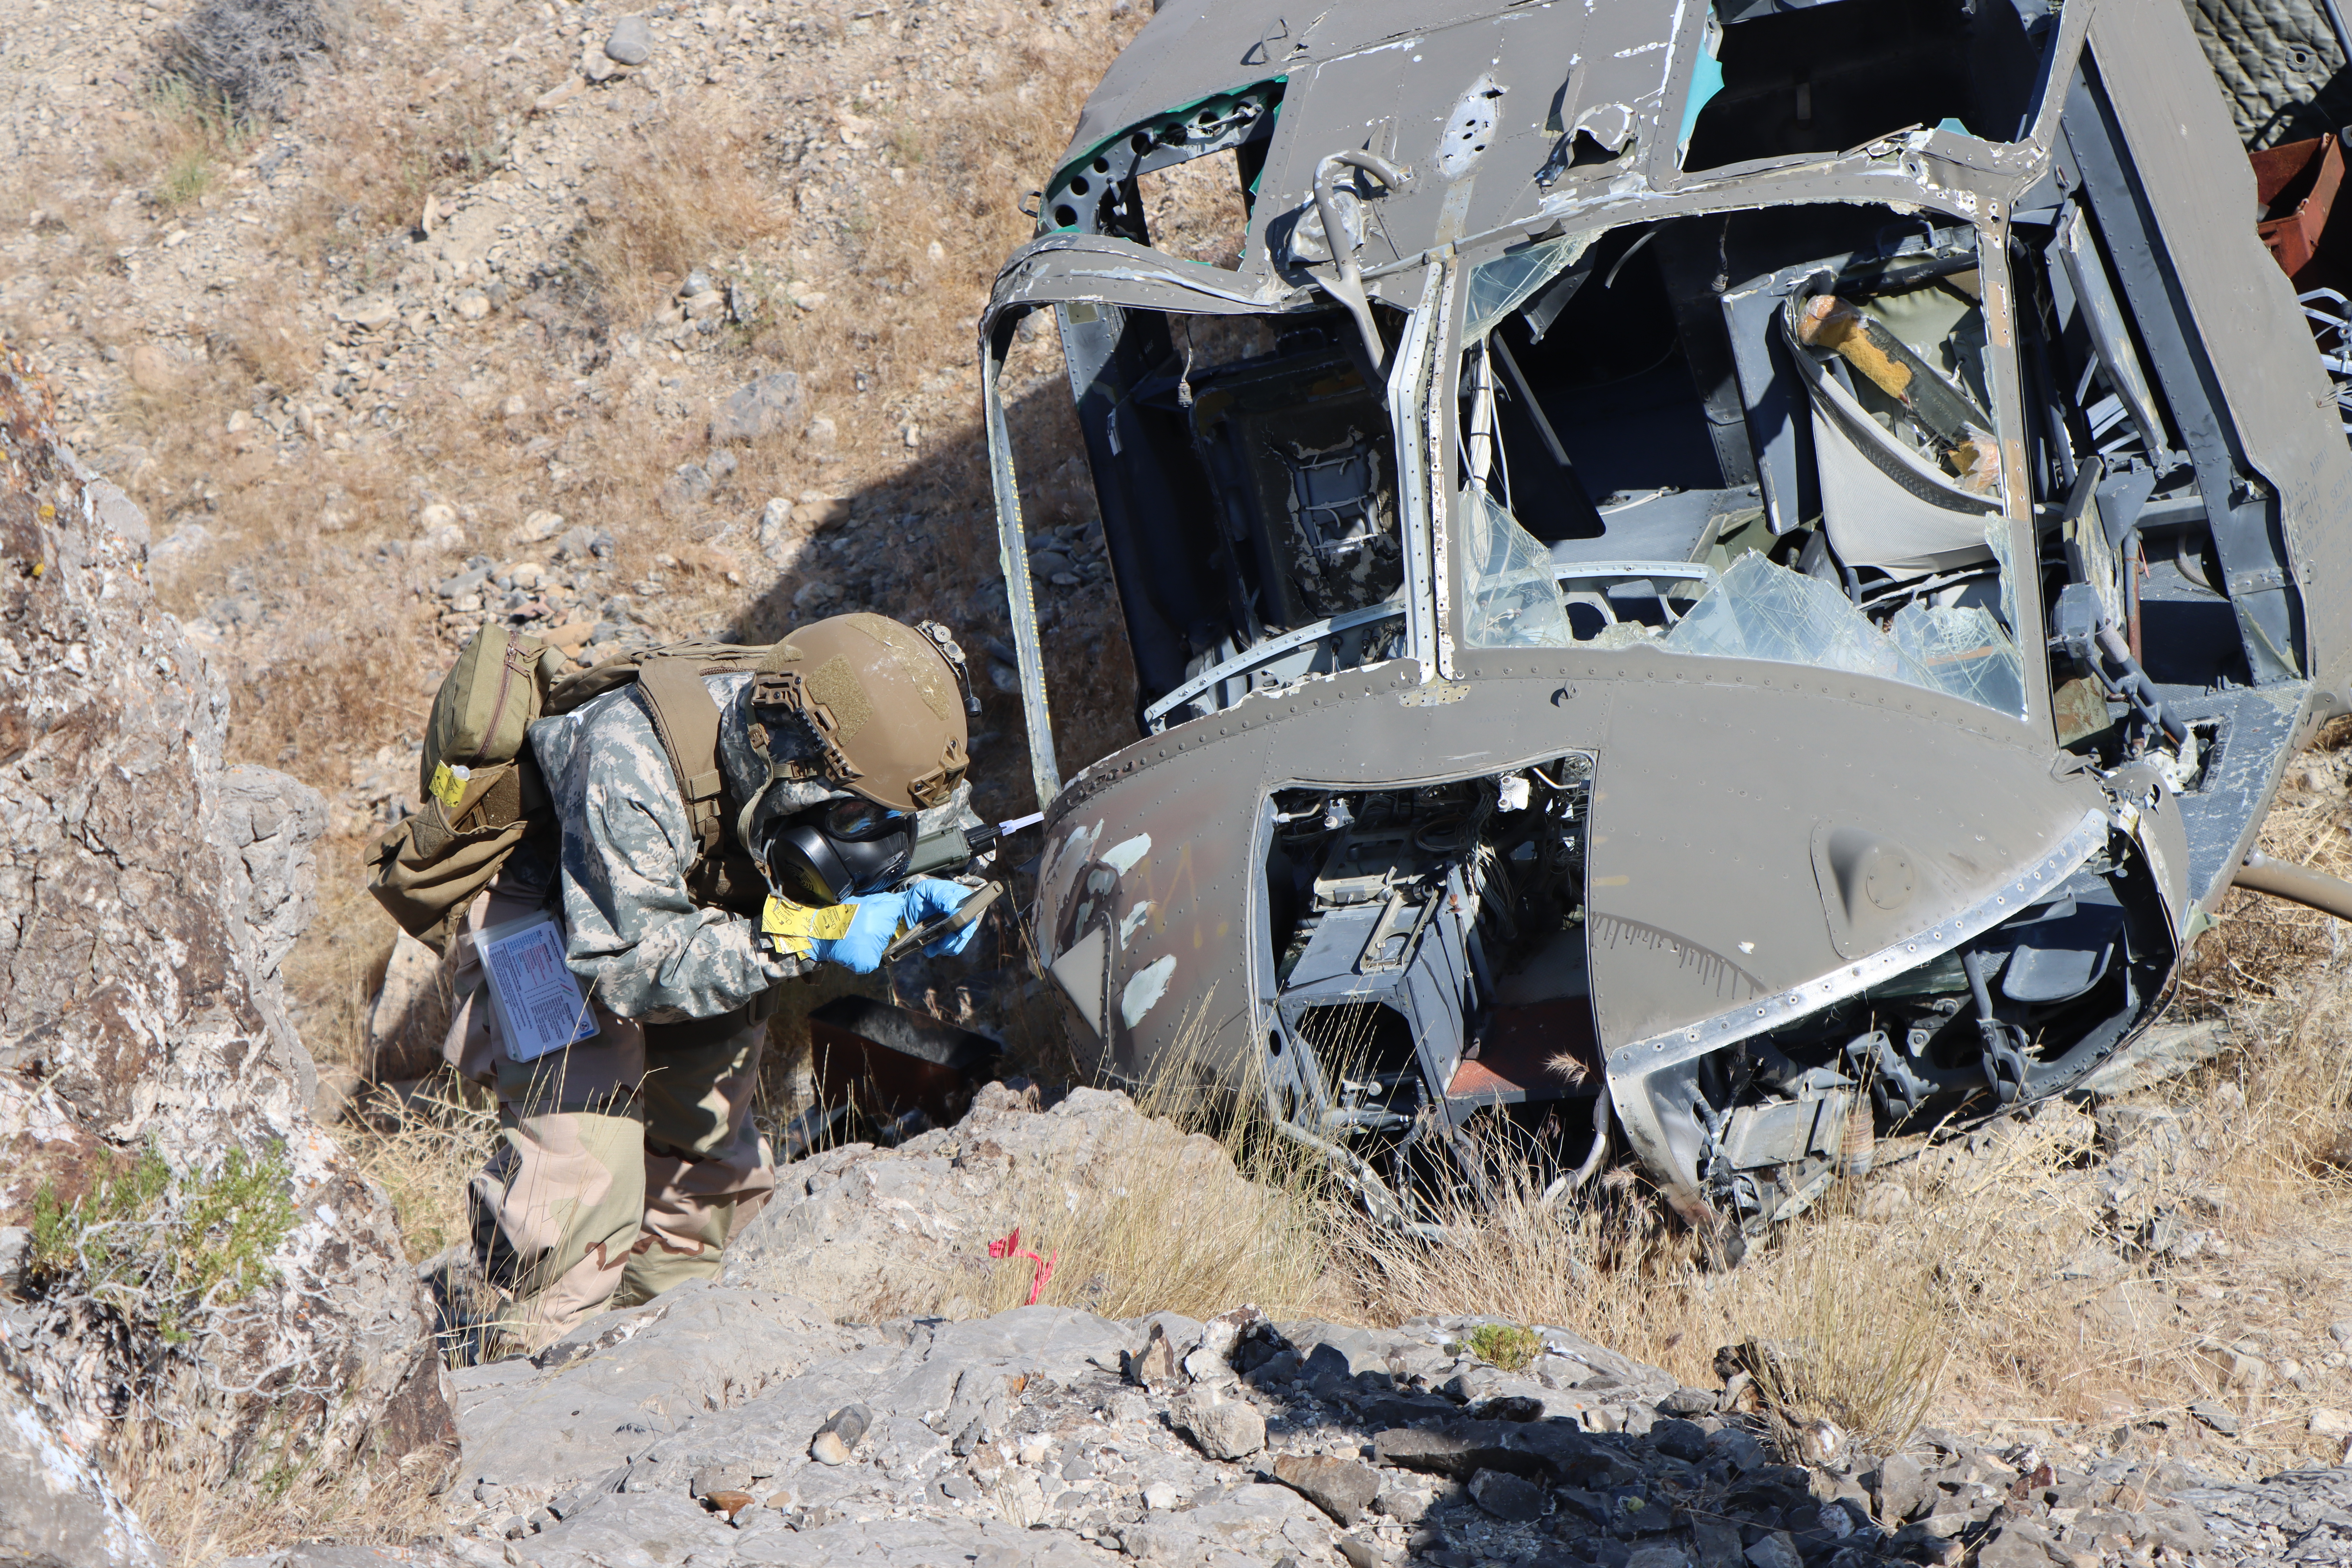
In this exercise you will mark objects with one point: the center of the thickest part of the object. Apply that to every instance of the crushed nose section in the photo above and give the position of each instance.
(1427, 965)
(1745, 1118)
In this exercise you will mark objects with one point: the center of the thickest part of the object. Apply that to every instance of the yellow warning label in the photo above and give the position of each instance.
(449, 785)
(796, 927)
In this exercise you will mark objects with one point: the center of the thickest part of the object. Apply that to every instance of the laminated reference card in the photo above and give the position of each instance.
(539, 1005)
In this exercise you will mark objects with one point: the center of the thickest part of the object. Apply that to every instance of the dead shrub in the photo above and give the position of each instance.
(250, 57)
(269, 344)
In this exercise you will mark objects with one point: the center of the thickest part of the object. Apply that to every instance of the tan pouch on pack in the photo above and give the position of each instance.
(481, 791)
(478, 788)
(485, 706)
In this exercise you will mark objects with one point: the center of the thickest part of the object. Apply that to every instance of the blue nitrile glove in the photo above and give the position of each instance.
(932, 898)
(872, 929)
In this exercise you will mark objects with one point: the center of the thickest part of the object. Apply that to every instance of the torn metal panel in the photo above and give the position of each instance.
(1649, 1077)
(2188, 166)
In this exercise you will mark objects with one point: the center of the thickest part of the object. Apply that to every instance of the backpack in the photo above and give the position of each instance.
(480, 791)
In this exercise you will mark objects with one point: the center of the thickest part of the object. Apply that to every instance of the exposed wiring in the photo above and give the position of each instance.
(1631, 251)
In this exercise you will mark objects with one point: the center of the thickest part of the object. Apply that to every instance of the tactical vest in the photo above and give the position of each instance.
(482, 794)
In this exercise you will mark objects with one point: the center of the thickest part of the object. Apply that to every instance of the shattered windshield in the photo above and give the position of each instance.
(1837, 504)
(1501, 286)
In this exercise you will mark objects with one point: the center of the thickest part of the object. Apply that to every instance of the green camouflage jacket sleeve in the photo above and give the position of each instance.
(650, 951)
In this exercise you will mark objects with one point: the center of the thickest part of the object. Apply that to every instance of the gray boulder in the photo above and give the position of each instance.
(56, 1509)
(631, 43)
(762, 407)
(153, 892)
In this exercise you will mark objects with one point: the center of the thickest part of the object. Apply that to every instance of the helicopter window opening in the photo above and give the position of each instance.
(1597, 493)
(1197, 210)
(2139, 543)
(1823, 79)
(1210, 341)
(1515, 598)
(1594, 403)
(1501, 286)
(1254, 503)
(1759, 610)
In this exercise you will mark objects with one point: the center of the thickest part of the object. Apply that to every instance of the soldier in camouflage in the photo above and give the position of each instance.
(627, 1159)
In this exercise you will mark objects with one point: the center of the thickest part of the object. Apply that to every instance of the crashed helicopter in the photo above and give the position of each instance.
(1709, 579)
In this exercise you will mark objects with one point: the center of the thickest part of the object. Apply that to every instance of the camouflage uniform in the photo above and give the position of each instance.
(623, 1168)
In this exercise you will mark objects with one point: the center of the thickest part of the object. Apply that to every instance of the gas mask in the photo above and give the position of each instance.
(830, 853)
(851, 731)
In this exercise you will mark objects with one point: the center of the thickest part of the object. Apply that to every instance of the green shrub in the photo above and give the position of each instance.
(166, 1248)
(1506, 1345)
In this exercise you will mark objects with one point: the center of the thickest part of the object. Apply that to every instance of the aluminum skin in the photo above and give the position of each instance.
(1768, 855)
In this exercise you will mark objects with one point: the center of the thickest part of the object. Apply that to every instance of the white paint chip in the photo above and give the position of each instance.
(1144, 989)
(1121, 856)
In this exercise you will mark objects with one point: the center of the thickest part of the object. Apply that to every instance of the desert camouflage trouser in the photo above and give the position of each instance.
(619, 1173)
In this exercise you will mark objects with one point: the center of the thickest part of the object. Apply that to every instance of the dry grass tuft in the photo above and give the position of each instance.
(424, 1150)
(1230, 1214)
(1850, 1334)
(373, 180)
(1854, 1311)
(181, 143)
(183, 1485)
(689, 192)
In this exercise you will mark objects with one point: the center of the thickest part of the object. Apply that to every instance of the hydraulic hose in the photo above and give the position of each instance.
(1599, 1150)
(2298, 884)
(1347, 284)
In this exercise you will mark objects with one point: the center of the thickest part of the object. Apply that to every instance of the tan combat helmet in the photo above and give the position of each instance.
(885, 703)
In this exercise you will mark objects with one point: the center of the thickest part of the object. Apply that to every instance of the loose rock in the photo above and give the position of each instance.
(631, 42)
(1154, 1366)
(1230, 1430)
(758, 408)
(1506, 1496)
(836, 1439)
(1340, 1487)
(2220, 1417)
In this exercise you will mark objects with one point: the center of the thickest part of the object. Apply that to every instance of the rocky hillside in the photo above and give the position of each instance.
(180, 1244)
(366, 323)
(618, 326)
(748, 1422)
